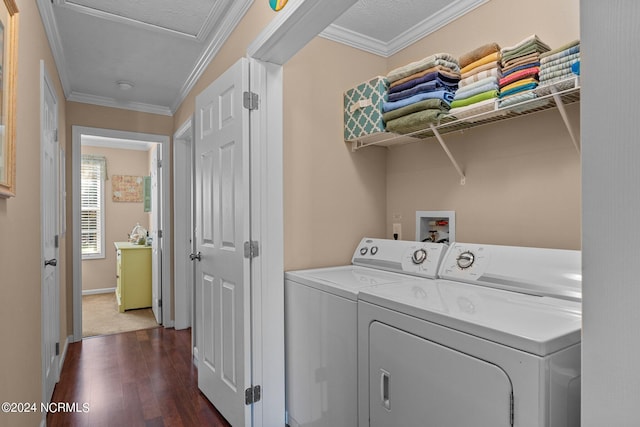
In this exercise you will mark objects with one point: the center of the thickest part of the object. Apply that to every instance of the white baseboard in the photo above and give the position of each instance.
(63, 355)
(98, 291)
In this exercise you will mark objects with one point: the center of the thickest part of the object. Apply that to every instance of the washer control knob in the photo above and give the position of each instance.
(465, 259)
(419, 256)
(374, 250)
(364, 250)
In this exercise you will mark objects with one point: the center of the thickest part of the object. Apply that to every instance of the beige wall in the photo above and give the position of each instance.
(120, 217)
(332, 196)
(20, 318)
(523, 175)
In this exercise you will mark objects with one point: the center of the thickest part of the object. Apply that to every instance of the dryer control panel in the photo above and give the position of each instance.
(401, 256)
(535, 271)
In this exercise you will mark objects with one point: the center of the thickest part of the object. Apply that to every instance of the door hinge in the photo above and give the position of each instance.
(57, 349)
(251, 249)
(56, 242)
(252, 395)
(159, 303)
(159, 234)
(511, 410)
(250, 100)
(55, 135)
(159, 164)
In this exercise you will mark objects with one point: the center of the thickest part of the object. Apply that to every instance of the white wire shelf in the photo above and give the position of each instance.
(555, 98)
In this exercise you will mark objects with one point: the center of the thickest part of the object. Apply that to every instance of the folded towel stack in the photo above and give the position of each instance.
(520, 70)
(420, 93)
(556, 67)
(479, 85)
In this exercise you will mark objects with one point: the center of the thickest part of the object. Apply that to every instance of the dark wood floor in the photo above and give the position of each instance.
(142, 378)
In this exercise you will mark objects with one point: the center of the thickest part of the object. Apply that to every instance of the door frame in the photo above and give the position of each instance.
(281, 39)
(183, 170)
(164, 140)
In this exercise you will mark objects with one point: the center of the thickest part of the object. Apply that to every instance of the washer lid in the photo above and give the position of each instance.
(538, 325)
(345, 281)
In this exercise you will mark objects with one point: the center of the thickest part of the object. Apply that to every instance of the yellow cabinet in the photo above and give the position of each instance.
(133, 275)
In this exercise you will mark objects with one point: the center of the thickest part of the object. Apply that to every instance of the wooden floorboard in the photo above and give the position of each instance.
(143, 378)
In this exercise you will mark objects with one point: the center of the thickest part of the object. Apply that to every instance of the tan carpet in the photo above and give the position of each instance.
(100, 316)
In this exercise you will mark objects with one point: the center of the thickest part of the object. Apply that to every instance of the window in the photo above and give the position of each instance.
(93, 171)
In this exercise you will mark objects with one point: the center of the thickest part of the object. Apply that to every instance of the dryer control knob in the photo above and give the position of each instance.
(364, 250)
(465, 259)
(419, 256)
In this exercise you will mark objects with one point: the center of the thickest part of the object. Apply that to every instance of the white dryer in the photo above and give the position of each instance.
(321, 326)
(496, 344)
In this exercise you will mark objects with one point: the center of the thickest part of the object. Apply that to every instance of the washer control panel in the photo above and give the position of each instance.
(400, 256)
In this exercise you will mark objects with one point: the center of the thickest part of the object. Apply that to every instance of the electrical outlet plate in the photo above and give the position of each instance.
(397, 229)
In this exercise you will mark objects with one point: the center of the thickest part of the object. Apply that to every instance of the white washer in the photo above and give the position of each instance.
(321, 326)
(499, 346)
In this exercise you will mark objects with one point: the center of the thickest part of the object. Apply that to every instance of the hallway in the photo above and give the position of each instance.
(141, 378)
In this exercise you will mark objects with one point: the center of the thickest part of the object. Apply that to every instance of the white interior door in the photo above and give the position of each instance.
(156, 233)
(222, 228)
(49, 205)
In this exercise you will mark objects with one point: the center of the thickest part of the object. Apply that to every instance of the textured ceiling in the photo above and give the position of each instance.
(184, 17)
(162, 47)
(386, 20)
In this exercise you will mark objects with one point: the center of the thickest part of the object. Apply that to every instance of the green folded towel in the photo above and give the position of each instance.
(427, 104)
(414, 122)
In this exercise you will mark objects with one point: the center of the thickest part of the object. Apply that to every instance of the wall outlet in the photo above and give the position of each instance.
(397, 229)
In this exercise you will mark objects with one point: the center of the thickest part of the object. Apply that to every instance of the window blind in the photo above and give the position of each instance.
(92, 209)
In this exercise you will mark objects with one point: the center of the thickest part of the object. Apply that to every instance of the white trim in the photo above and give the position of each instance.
(164, 140)
(225, 28)
(267, 228)
(98, 291)
(110, 102)
(184, 275)
(294, 27)
(51, 28)
(63, 355)
(433, 23)
(356, 40)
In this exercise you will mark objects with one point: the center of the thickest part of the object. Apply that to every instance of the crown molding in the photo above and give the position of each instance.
(436, 21)
(217, 40)
(51, 29)
(110, 102)
(356, 40)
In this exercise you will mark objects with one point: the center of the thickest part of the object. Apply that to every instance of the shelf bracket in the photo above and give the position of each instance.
(446, 150)
(565, 118)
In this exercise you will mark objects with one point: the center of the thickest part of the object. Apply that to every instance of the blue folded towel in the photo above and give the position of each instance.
(445, 95)
(429, 86)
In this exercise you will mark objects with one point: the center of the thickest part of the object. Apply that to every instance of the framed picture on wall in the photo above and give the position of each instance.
(8, 77)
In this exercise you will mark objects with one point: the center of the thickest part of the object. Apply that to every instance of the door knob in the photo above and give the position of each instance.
(196, 256)
(52, 262)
